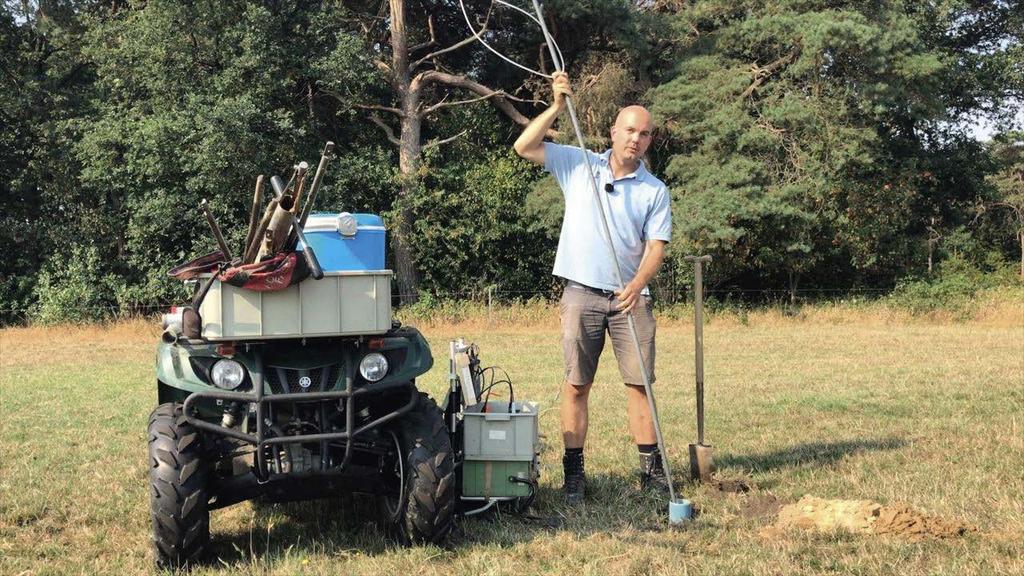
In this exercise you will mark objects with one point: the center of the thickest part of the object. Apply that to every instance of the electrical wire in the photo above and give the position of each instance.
(479, 37)
(561, 61)
(493, 382)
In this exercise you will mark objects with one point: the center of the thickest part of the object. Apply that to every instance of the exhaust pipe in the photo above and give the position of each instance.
(171, 335)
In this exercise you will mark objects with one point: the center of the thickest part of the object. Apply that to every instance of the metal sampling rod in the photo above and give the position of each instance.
(559, 66)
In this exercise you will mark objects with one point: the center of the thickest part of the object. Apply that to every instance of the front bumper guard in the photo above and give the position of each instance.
(261, 439)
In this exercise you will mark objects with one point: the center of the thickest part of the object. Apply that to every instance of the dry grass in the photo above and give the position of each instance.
(837, 403)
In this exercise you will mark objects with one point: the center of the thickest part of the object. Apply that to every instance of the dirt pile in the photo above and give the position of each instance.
(865, 517)
(903, 521)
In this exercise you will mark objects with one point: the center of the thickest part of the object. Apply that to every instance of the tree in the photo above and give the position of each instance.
(1009, 185)
(417, 72)
(45, 83)
(193, 100)
(813, 140)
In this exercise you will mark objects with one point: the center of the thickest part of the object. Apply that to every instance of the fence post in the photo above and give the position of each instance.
(490, 320)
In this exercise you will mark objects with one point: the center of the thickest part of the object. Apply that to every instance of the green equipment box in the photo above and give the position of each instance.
(500, 444)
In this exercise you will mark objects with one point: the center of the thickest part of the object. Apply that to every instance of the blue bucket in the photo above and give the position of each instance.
(680, 511)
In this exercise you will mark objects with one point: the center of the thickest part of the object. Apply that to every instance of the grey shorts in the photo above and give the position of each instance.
(585, 314)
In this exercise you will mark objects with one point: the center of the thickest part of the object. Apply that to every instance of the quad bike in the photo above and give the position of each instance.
(285, 388)
(296, 419)
(286, 385)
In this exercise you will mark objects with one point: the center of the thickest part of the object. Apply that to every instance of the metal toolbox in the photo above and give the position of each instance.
(339, 304)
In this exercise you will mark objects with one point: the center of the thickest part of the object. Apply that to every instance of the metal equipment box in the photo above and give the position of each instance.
(339, 304)
(499, 444)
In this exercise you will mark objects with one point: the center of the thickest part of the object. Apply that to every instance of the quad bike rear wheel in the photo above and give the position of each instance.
(420, 504)
(178, 489)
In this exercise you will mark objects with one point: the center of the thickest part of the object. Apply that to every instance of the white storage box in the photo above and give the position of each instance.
(499, 434)
(339, 304)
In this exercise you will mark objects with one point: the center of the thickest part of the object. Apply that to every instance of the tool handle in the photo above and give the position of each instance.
(698, 337)
(216, 230)
(301, 170)
(315, 186)
(314, 265)
(705, 258)
(254, 217)
(197, 301)
(307, 252)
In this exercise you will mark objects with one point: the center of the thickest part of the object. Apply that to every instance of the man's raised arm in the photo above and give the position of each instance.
(530, 144)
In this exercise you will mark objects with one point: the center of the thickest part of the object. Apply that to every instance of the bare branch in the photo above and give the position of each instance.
(761, 74)
(387, 129)
(433, 143)
(383, 66)
(455, 46)
(443, 104)
(498, 98)
(378, 107)
(433, 36)
(483, 28)
(433, 76)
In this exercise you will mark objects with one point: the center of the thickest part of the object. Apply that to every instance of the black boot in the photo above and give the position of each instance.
(652, 471)
(575, 480)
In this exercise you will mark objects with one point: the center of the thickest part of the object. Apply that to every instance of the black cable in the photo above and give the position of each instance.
(507, 380)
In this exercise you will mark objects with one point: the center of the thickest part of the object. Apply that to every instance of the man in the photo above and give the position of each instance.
(640, 221)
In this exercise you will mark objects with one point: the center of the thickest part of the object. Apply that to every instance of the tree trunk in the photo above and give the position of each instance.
(408, 157)
(409, 88)
(1020, 236)
(408, 163)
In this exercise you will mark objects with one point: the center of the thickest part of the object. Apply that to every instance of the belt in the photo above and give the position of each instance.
(591, 289)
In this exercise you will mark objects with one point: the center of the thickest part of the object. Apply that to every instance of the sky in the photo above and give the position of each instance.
(983, 130)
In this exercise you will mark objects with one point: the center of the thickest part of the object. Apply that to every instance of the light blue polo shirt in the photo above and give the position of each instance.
(638, 210)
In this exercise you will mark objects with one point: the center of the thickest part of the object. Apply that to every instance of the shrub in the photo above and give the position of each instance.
(75, 288)
(953, 288)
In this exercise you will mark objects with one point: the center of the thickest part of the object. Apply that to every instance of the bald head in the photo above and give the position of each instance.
(631, 135)
(634, 115)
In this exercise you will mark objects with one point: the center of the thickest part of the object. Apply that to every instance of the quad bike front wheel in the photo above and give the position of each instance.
(419, 505)
(178, 489)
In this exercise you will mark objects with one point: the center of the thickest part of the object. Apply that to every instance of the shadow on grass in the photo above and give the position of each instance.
(808, 454)
(326, 526)
(347, 526)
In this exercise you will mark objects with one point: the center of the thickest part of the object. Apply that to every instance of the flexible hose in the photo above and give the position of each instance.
(559, 64)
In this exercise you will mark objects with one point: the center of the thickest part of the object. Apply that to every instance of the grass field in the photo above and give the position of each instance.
(930, 414)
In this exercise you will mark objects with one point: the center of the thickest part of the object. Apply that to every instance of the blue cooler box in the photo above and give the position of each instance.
(344, 241)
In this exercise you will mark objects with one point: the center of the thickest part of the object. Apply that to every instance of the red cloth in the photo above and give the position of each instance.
(193, 268)
(272, 274)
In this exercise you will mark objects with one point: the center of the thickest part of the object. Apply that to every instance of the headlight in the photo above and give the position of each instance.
(227, 374)
(373, 366)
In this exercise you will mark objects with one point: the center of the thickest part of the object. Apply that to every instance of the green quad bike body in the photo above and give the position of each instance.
(295, 419)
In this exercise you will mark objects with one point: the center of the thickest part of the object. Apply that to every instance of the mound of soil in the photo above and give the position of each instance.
(866, 517)
(901, 520)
